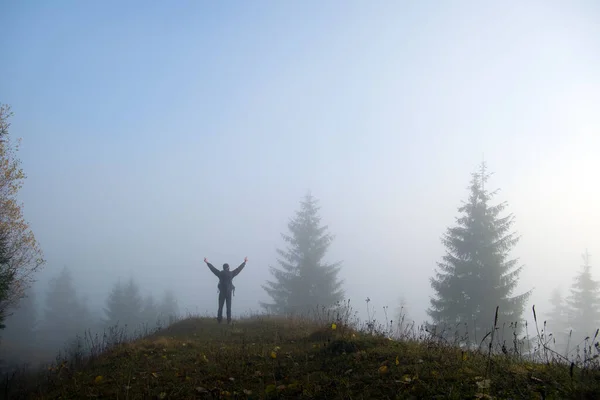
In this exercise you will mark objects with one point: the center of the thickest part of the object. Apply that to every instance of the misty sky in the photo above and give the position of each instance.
(155, 134)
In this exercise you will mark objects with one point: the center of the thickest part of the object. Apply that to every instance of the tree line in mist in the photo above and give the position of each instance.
(39, 328)
(475, 277)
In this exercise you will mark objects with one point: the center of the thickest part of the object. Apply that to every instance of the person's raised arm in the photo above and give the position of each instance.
(212, 268)
(240, 268)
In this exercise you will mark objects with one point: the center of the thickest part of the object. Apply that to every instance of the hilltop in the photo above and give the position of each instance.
(267, 357)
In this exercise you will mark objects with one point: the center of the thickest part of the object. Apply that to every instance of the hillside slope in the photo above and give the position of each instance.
(275, 358)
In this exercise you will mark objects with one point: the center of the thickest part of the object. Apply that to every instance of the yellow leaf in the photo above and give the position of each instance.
(383, 369)
(333, 326)
(273, 355)
(98, 379)
(204, 358)
(397, 361)
(465, 356)
(270, 389)
(154, 374)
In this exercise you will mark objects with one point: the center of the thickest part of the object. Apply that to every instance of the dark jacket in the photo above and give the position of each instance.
(226, 277)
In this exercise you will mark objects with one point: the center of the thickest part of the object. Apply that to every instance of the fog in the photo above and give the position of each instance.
(155, 135)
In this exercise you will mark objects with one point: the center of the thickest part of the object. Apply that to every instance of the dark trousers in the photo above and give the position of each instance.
(224, 296)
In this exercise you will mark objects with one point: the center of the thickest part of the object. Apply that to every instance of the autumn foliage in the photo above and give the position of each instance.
(23, 251)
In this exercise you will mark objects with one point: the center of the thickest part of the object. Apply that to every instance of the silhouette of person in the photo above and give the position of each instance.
(225, 286)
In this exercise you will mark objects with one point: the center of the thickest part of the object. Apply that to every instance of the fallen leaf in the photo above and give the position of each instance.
(162, 395)
(397, 361)
(333, 326)
(383, 369)
(99, 379)
(484, 384)
(232, 379)
(273, 354)
(154, 374)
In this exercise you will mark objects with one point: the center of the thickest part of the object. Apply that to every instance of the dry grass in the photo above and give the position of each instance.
(326, 357)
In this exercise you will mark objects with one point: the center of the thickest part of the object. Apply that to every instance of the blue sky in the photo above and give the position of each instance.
(155, 134)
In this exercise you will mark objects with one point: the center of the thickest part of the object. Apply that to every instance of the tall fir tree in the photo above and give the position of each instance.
(124, 305)
(476, 274)
(304, 280)
(584, 302)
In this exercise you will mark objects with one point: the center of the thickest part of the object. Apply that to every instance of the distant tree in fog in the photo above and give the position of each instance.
(20, 245)
(149, 311)
(124, 305)
(168, 307)
(558, 314)
(304, 280)
(476, 274)
(584, 301)
(65, 315)
(557, 318)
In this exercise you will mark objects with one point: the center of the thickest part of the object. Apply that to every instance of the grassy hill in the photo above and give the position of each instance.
(262, 357)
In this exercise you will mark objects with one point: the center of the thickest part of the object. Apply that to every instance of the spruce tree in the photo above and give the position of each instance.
(476, 275)
(304, 279)
(584, 302)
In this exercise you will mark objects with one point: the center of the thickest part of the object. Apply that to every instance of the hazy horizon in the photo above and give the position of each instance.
(155, 136)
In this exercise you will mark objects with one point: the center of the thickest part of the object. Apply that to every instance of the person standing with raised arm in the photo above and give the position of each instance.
(225, 286)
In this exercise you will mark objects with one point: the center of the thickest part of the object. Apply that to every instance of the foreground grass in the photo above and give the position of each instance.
(265, 357)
